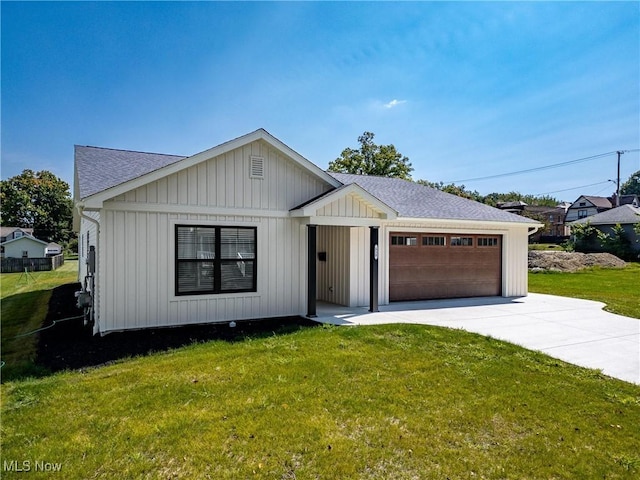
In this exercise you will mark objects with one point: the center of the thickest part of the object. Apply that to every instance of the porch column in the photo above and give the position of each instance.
(373, 269)
(311, 270)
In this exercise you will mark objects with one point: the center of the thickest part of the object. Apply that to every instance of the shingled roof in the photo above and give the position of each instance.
(623, 215)
(100, 168)
(413, 200)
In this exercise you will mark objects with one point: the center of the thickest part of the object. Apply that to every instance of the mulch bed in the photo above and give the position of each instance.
(72, 345)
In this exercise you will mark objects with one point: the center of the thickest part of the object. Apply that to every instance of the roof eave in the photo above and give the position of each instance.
(475, 222)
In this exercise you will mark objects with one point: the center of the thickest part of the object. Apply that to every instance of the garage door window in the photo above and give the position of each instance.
(461, 241)
(404, 240)
(433, 241)
(487, 242)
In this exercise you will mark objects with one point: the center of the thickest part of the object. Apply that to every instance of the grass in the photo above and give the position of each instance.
(24, 304)
(546, 246)
(618, 288)
(394, 401)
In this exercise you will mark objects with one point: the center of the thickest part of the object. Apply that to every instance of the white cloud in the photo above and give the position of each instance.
(394, 103)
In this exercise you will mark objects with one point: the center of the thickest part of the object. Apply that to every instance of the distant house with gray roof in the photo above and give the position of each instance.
(251, 229)
(627, 216)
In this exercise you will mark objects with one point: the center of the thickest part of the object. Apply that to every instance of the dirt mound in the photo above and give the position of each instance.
(571, 261)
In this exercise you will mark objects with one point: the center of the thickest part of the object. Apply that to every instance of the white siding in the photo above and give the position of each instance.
(359, 267)
(140, 289)
(515, 279)
(224, 181)
(33, 248)
(349, 206)
(88, 237)
(333, 274)
(138, 235)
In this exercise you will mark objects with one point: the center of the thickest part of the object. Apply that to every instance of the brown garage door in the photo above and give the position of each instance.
(434, 265)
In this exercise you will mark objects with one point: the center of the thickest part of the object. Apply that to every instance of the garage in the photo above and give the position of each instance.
(425, 266)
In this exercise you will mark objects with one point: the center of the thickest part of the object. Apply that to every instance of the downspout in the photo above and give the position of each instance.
(80, 208)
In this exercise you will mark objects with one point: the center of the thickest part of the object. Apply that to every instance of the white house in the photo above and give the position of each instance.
(53, 249)
(251, 229)
(24, 246)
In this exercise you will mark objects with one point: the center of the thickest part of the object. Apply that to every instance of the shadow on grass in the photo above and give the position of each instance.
(70, 345)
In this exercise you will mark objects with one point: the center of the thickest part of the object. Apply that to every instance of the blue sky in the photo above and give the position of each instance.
(464, 89)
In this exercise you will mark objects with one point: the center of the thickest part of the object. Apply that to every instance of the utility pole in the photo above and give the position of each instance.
(619, 152)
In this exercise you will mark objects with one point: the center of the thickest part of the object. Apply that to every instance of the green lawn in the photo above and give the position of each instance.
(618, 288)
(395, 401)
(24, 301)
(392, 401)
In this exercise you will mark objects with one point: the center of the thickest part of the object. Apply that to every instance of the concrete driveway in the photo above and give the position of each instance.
(573, 330)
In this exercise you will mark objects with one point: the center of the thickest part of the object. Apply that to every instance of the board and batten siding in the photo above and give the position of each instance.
(349, 206)
(224, 182)
(140, 287)
(138, 241)
(344, 277)
(333, 273)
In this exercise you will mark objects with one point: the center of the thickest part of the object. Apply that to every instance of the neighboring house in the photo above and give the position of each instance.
(24, 247)
(251, 229)
(626, 216)
(9, 233)
(513, 207)
(586, 206)
(632, 200)
(553, 217)
(53, 249)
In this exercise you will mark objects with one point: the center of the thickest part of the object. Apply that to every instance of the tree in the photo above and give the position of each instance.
(632, 185)
(617, 242)
(459, 190)
(584, 237)
(40, 201)
(372, 159)
(542, 201)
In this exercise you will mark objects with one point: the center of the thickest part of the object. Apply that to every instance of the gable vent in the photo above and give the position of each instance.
(257, 167)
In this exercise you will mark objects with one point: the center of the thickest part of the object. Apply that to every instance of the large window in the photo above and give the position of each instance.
(215, 259)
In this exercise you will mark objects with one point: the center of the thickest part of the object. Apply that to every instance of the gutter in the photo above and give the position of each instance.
(80, 206)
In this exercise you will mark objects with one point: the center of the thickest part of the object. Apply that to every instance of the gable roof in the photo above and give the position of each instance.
(23, 239)
(310, 207)
(100, 168)
(598, 202)
(105, 173)
(625, 214)
(6, 231)
(413, 200)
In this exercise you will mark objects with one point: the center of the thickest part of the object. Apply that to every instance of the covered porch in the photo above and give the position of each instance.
(342, 247)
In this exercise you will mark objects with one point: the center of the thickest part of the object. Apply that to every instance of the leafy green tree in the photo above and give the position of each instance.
(459, 190)
(632, 185)
(584, 237)
(372, 159)
(543, 201)
(37, 200)
(617, 242)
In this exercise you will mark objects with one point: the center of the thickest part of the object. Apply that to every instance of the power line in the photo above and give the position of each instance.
(573, 188)
(545, 167)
